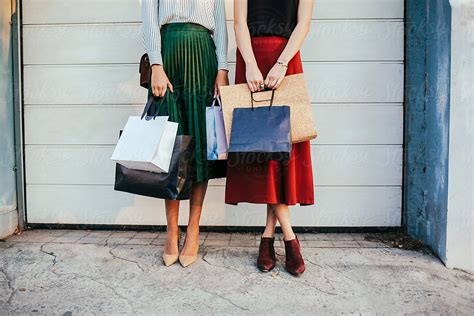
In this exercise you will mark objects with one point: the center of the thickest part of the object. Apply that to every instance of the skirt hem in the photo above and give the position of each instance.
(301, 203)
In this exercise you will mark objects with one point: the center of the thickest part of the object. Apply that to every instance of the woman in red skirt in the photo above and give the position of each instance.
(269, 36)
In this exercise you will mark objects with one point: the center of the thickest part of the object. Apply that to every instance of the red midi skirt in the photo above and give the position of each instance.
(289, 182)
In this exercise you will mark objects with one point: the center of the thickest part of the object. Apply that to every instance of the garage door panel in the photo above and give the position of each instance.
(83, 44)
(93, 11)
(122, 43)
(83, 11)
(90, 204)
(358, 124)
(333, 165)
(118, 84)
(93, 125)
(98, 84)
(360, 9)
(80, 82)
(99, 125)
(355, 82)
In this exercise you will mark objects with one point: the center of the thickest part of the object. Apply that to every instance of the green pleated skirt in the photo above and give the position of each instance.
(190, 62)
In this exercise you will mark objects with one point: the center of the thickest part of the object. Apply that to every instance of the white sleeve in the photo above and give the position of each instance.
(220, 34)
(151, 31)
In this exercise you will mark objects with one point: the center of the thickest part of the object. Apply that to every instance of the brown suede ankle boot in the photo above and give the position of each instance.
(294, 259)
(266, 254)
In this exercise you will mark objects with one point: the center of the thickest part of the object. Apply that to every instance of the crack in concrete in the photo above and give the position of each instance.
(9, 284)
(389, 252)
(124, 259)
(339, 272)
(49, 253)
(226, 299)
(343, 274)
(80, 276)
(324, 274)
(314, 287)
(280, 256)
(203, 257)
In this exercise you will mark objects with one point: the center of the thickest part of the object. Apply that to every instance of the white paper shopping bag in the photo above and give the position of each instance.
(146, 144)
(216, 138)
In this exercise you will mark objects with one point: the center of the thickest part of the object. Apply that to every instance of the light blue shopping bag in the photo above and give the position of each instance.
(216, 139)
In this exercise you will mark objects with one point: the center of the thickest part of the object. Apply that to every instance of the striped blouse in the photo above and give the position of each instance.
(208, 13)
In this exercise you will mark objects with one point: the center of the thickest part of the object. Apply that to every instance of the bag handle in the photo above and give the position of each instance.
(265, 100)
(218, 99)
(151, 100)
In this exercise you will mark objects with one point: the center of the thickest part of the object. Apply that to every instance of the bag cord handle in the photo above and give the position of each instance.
(265, 100)
(219, 102)
(151, 100)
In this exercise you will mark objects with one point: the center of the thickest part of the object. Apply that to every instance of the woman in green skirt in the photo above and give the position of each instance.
(186, 42)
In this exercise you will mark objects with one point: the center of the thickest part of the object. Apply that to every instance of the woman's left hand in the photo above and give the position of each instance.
(275, 76)
(222, 79)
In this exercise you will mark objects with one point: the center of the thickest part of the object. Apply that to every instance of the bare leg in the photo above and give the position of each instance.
(266, 251)
(282, 212)
(198, 193)
(294, 260)
(271, 222)
(172, 229)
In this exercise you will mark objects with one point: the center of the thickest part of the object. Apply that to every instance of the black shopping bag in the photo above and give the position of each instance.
(174, 185)
(260, 133)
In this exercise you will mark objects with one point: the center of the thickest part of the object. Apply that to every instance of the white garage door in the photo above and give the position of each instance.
(81, 84)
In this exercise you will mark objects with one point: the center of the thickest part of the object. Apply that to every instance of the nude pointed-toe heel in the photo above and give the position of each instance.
(170, 259)
(187, 260)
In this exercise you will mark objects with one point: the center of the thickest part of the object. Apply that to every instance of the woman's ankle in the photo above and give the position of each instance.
(192, 229)
(268, 232)
(268, 235)
(289, 236)
(172, 232)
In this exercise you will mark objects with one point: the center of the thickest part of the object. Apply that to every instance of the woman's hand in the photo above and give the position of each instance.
(254, 77)
(159, 81)
(222, 79)
(275, 76)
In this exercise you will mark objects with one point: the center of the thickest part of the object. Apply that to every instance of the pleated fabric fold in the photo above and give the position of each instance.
(190, 62)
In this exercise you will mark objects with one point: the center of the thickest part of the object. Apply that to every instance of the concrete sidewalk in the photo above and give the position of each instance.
(67, 272)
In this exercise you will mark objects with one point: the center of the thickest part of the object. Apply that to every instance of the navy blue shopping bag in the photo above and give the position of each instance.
(260, 134)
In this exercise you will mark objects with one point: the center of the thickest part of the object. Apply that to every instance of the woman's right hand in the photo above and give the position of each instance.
(254, 77)
(159, 81)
